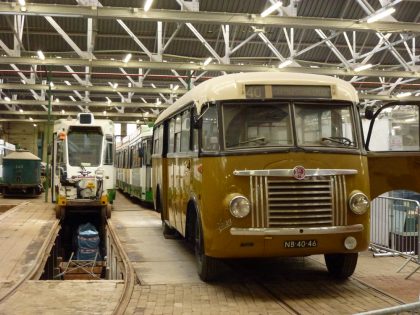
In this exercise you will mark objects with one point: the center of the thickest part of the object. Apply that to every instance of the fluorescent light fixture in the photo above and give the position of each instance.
(404, 94)
(285, 63)
(148, 5)
(30, 118)
(63, 111)
(143, 99)
(380, 15)
(21, 110)
(7, 99)
(72, 98)
(363, 67)
(104, 112)
(176, 87)
(127, 58)
(410, 119)
(22, 2)
(146, 113)
(57, 100)
(271, 9)
(40, 55)
(108, 100)
(52, 84)
(35, 125)
(67, 82)
(153, 86)
(207, 61)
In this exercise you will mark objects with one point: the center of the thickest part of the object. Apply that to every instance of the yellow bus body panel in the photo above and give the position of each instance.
(209, 180)
(393, 170)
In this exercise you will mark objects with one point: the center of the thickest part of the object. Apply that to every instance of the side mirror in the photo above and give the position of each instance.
(369, 112)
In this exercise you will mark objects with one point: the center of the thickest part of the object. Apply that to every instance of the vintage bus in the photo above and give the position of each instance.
(272, 164)
(134, 163)
(83, 179)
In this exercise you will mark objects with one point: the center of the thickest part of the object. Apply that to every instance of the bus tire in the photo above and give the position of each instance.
(207, 267)
(341, 266)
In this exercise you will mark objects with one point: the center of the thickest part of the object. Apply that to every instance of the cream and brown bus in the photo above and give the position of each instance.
(268, 164)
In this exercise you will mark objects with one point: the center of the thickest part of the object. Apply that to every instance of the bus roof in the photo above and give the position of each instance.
(231, 86)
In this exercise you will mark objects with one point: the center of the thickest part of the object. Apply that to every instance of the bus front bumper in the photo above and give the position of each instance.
(297, 231)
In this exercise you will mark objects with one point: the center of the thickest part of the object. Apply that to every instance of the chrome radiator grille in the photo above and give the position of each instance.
(313, 202)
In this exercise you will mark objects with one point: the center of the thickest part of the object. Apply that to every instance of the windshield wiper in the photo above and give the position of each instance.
(339, 140)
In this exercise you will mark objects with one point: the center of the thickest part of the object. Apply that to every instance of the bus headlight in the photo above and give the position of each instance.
(239, 206)
(358, 202)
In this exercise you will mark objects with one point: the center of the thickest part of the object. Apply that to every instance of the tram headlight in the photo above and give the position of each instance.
(358, 202)
(239, 206)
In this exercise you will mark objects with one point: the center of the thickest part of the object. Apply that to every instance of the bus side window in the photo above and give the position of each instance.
(171, 145)
(185, 132)
(178, 125)
(210, 130)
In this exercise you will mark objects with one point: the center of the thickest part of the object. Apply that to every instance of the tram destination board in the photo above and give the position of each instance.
(300, 243)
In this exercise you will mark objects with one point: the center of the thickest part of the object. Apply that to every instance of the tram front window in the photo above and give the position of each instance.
(84, 146)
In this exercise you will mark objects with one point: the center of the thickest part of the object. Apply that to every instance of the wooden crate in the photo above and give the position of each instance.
(73, 271)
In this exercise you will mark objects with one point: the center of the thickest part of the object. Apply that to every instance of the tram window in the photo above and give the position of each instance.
(60, 156)
(148, 153)
(210, 130)
(171, 135)
(185, 133)
(133, 156)
(84, 146)
(178, 125)
(108, 160)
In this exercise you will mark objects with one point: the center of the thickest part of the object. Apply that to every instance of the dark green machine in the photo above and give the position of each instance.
(21, 174)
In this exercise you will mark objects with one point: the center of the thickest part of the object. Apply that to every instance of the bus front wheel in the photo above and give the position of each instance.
(341, 266)
(206, 266)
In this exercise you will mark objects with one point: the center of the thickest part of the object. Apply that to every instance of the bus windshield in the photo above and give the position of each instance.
(269, 124)
(84, 146)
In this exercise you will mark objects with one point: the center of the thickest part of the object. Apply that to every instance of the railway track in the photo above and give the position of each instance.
(123, 269)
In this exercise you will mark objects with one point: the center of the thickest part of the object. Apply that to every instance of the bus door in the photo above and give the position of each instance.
(173, 194)
(393, 148)
(185, 166)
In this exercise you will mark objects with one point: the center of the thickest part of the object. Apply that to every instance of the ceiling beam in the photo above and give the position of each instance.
(218, 18)
(140, 90)
(90, 104)
(184, 66)
(66, 114)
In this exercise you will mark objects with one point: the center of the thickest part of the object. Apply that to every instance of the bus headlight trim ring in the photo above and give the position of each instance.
(239, 207)
(359, 202)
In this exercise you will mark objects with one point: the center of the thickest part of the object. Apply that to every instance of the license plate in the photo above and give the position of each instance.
(300, 244)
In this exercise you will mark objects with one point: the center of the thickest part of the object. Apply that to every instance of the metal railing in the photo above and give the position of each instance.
(395, 229)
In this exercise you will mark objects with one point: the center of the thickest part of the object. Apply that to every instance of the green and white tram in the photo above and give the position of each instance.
(83, 175)
(134, 163)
